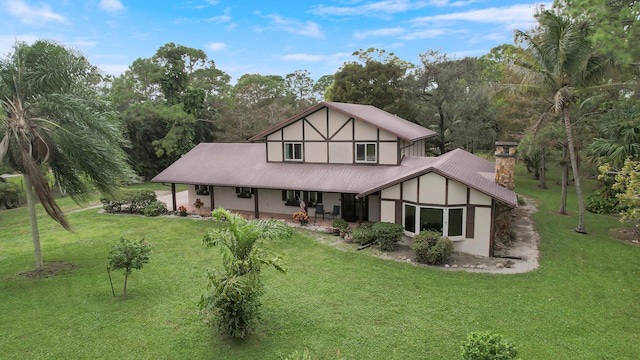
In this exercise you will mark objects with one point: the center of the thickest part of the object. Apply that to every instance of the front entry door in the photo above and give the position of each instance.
(351, 208)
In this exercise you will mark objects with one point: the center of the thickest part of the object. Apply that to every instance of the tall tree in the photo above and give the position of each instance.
(169, 103)
(52, 116)
(455, 101)
(300, 87)
(377, 78)
(561, 61)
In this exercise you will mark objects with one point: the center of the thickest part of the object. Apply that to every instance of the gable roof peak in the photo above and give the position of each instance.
(370, 114)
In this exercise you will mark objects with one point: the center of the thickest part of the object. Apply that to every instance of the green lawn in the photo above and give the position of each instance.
(582, 303)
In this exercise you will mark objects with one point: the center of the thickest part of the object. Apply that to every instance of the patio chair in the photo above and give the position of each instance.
(336, 211)
(319, 210)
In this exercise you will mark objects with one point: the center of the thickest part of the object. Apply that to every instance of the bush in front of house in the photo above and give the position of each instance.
(156, 208)
(341, 224)
(363, 234)
(387, 234)
(131, 201)
(487, 346)
(431, 247)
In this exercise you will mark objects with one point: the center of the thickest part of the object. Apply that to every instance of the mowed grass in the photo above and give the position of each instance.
(582, 302)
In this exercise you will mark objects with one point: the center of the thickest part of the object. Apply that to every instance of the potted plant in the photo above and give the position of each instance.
(182, 211)
(301, 217)
(339, 225)
(198, 204)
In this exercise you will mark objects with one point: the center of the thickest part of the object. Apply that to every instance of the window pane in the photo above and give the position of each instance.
(371, 152)
(410, 218)
(431, 219)
(288, 150)
(360, 152)
(297, 151)
(455, 222)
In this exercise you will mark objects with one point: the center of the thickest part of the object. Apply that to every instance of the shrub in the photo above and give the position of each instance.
(155, 208)
(341, 224)
(387, 234)
(431, 248)
(132, 201)
(487, 346)
(363, 234)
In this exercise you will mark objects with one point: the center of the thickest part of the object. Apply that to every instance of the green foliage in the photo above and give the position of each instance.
(129, 255)
(156, 208)
(387, 234)
(232, 298)
(627, 181)
(341, 224)
(487, 346)
(8, 194)
(363, 234)
(131, 201)
(605, 200)
(431, 247)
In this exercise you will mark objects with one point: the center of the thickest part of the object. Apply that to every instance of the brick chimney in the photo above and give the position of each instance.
(505, 171)
(505, 163)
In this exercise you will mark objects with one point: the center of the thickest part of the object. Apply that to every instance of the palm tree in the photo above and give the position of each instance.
(54, 119)
(233, 292)
(559, 60)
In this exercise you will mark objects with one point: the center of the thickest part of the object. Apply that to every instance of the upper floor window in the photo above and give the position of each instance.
(366, 152)
(293, 151)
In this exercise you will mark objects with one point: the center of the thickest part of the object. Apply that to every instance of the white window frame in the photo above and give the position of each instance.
(366, 155)
(445, 219)
(293, 151)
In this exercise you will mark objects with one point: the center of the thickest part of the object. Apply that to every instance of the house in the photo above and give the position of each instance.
(369, 164)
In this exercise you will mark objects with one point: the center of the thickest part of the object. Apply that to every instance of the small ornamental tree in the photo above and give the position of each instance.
(628, 184)
(233, 293)
(129, 255)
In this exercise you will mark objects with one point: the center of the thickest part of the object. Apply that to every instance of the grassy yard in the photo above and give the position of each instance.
(582, 303)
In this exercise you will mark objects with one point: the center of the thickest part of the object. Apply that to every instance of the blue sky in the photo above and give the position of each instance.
(265, 37)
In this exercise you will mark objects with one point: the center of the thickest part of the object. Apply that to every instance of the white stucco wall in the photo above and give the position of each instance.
(315, 152)
(478, 198)
(479, 245)
(340, 153)
(457, 193)
(388, 153)
(392, 192)
(374, 208)
(388, 211)
(274, 151)
(227, 198)
(364, 132)
(432, 189)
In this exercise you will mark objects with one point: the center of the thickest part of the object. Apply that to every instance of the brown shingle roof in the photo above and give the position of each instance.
(381, 119)
(245, 165)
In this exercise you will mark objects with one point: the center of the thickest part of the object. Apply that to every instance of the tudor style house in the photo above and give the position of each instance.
(359, 162)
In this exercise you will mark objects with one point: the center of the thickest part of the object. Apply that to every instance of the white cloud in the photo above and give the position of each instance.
(424, 34)
(225, 18)
(380, 8)
(111, 5)
(32, 14)
(294, 26)
(379, 32)
(213, 2)
(520, 15)
(216, 46)
(304, 57)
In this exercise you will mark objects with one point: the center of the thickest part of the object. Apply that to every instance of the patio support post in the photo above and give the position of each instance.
(173, 196)
(211, 198)
(256, 213)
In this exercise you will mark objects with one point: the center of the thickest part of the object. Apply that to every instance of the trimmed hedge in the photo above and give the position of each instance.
(130, 201)
(387, 235)
(156, 208)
